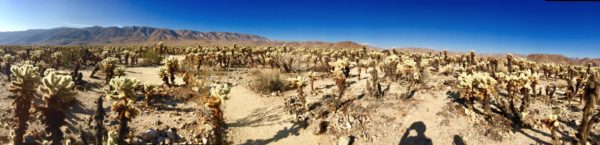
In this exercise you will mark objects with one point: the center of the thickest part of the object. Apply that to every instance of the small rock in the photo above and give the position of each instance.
(149, 135)
(345, 140)
(158, 122)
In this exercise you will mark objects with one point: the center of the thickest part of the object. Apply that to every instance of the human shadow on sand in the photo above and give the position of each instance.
(419, 139)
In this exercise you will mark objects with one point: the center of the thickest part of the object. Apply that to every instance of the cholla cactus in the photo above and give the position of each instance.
(164, 75)
(37, 55)
(172, 66)
(58, 94)
(389, 66)
(339, 75)
(8, 58)
(478, 86)
(551, 122)
(149, 90)
(119, 71)
(108, 66)
(312, 77)
(373, 85)
(123, 97)
(591, 98)
(56, 56)
(298, 83)
(408, 69)
(27, 79)
(218, 94)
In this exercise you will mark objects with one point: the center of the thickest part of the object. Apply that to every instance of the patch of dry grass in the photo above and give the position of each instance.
(267, 81)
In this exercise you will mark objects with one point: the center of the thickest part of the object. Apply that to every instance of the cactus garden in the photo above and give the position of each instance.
(244, 94)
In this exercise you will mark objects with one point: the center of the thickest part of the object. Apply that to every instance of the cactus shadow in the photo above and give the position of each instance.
(419, 138)
(537, 140)
(458, 140)
(259, 117)
(281, 134)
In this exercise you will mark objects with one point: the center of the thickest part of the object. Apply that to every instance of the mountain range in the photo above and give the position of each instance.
(118, 35)
(149, 35)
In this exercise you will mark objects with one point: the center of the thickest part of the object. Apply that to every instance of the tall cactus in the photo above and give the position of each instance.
(27, 79)
(164, 75)
(123, 97)
(218, 95)
(172, 66)
(57, 93)
(108, 65)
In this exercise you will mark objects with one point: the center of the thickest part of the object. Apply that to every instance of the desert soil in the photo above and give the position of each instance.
(254, 118)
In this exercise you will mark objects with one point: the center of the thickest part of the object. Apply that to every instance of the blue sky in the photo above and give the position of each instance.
(489, 26)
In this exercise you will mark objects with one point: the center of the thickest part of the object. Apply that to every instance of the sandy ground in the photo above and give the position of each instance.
(428, 117)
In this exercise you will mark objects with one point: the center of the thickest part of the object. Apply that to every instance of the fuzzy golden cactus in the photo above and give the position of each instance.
(149, 90)
(551, 122)
(477, 86)
(27, 79)
(218, 94)
(172, 66)
(163, 74)
(123, 97)
(298, 83)
(119, 71)
(339, 75)
(58, 94)
(408, 69)
(108, 65)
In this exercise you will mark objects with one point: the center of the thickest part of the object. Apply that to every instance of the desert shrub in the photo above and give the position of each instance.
(151, 58)
(267, 81)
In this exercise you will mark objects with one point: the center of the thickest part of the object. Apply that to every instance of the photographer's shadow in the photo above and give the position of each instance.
(419, 139)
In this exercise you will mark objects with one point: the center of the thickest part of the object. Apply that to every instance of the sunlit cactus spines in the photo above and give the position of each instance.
(172, 66)
(298, 83)
(477, 86)
(339, 73)
(59, 86)
(108, 66)
(123, 87)
(8, 58)
(163, 74)
(58, 94)
(123, 103)
(27, 79)
(220, 91)
(120, 71)
(551, 123)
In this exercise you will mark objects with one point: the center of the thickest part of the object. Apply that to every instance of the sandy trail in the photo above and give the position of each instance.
(259, 120)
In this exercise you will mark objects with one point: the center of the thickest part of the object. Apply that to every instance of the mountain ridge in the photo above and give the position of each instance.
(108, 35)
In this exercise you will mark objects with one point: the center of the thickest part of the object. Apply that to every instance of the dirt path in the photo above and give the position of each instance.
(253, 119)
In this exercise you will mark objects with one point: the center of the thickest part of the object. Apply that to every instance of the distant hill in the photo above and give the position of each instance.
(111, 35)
(556, 58)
